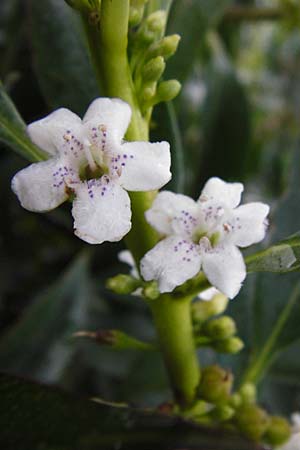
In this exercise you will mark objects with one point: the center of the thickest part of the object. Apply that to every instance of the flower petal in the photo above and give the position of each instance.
(208, 294)
(248, 224)
(171, 262)
(38, 186)
(167, 211)
(218, 191)
(57, 132)
(110, 114)
(144, 166)
(225, 269)
(101, 211)
(126, 257)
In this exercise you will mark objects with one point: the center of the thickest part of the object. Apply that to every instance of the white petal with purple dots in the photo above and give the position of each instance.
(90, 164)
(214, 227)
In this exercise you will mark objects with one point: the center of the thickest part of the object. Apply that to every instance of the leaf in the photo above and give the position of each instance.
(53, 316)
(268, 315)
(280, 258)
(34, 416)
(63, 68)
(13, 130)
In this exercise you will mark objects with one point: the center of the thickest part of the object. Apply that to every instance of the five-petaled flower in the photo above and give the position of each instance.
(203, 234)
(90, 163)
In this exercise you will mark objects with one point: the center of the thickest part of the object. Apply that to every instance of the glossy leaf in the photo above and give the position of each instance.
(13, 130)
(35, 416)
(280, 258)
(62, 68)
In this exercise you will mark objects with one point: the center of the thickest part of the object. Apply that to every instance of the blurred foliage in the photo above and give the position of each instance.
(237, 117)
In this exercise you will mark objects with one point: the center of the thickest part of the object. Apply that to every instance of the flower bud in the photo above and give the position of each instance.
(166, 47)
(222, 413)
(230, 345)
(203, 310)
(252, 421)
(136, 12)
(167, 90)
(123, 284)
(215, 384)
(151, 291)
(153, 26)
(148, 92)
(154, 68)
(248, 393)
(220, 328)
(235, 400)
(278, 431)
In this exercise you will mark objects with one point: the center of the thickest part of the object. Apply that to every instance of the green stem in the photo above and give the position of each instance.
(108, 47)
(268, 352)
(172, 318)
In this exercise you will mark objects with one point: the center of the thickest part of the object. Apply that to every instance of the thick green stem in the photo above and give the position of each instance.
(172, 318)
(108, 47)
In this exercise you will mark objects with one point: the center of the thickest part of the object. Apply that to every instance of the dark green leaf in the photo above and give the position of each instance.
(52, 318)
(61, 58)
(13, 130)
(37, 417)
(281, 257)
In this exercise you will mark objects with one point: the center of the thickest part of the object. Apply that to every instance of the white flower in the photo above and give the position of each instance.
(294, 441)
(203, 235)
(89, 161)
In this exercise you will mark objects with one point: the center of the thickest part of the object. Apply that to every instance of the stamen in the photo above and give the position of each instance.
(88, 155)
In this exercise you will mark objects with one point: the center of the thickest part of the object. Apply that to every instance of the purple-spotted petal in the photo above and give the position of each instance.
(248, 224)
(41, 187)
(144, 166)
(107, 120)
(101, 211)
(224, 268)
(60, 132)
(222, 193)
(171, 262)
(170, 211)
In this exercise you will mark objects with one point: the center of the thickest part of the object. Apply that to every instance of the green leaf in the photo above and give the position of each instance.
(38, 417)
(13, 130)
(61, 59)
(53, 316)
(279, 258)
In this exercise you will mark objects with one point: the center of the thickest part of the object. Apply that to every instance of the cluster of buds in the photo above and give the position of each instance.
(149, 49)
(238, 410)
(213, 329)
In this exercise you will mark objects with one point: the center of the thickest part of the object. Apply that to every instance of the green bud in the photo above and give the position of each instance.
(165, 47)
(252, 421)
(235, 400)
(115, 339)
(215, 384)
(248, 393)
(154, 68)
(230, 345)
(203, 310)
(167, 90)
(222, 413)
(136, 12)
(123, 284)
(151, 291)
(153, 26)
(220, 328)
(148, 92)
(278, 431)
